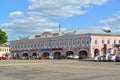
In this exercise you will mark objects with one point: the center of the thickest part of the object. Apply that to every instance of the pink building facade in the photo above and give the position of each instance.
(104, 44)
(61, 46)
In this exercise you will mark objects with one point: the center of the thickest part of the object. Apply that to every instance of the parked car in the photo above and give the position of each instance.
(82, 56)
(117, 58)
(97, 58)
(100, 58)
(3, 58)
(51, 57)
(110, 57)
(76, 57)
(70, 57)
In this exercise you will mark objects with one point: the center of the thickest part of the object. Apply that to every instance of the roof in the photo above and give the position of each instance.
(4, 45)
(88, 31)
(94, 31)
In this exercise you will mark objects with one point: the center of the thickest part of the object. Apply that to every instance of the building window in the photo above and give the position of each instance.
(53, 44)
(114, 41)
(108, 42)
(69, 42)
(31, 45)
(73, 42)
(28, 46)
(3, 50)
(65, 42)
(119, 41)
(34, 45)
(48, 44)
(96, 42)
(78, 41)
(38, 44)
(44, 44)
(102, 41)
(24, 45)
(61, 43)
(83, 41)
(21, 45)
(18, 46)
(57, 44)
(87, 41)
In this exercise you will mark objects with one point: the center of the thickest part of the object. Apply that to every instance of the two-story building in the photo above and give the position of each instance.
(65, 44)
(4, 51)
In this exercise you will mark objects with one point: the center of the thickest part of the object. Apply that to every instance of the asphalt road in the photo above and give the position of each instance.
(58, 70)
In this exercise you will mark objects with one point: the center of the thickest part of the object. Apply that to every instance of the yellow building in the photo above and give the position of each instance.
(4, 51)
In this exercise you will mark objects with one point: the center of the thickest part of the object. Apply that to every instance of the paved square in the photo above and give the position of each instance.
(58, 70)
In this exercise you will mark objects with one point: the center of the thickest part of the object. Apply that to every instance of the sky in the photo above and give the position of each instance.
(20, 18)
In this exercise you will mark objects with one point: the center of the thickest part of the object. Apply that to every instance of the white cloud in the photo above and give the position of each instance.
(61, 8)
(113, 22)
(15, 14)
(117, 13)
(29, 25)
(98, 2)
(35, 20)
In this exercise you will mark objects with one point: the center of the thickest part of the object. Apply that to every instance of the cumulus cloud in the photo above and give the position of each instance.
(29, 25)
(39, 11)
(61, 8)
(112, 22)
(15, 14)
(98, 2)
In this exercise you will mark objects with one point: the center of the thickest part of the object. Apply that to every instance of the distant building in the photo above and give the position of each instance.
(4, 51)
(63, 44)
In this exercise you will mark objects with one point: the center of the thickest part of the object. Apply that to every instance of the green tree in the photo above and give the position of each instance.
(3, 37)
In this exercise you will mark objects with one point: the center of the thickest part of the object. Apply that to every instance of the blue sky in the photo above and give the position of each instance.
(30, 17)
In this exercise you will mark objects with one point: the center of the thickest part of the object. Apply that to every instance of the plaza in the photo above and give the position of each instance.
(58, 70)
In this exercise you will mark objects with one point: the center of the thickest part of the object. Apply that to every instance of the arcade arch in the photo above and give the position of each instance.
(16, 56)
(45, 55)
(68, 53)
(25, 56)
(34, 55)
(83, 54)
(57, 55)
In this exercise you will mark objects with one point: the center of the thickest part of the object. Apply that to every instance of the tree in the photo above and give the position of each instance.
(3, 37)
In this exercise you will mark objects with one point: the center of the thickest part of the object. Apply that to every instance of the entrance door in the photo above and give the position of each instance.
(96, 52)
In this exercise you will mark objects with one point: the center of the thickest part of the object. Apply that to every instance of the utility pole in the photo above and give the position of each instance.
(59, 27)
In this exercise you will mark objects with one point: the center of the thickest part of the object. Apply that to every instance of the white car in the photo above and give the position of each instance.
(50, 57)
(113, 58)
(100, 58)
(70, 57)
(76, 57)
(110, 57)
(107, 57)
(97, 58)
